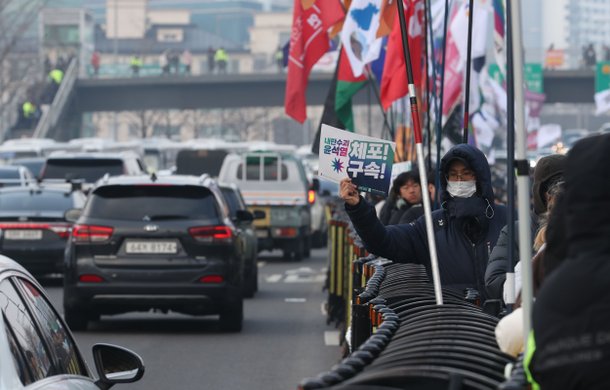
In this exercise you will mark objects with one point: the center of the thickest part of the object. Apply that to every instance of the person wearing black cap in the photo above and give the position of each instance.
(466, 226)
(571, 315)
(548, 171)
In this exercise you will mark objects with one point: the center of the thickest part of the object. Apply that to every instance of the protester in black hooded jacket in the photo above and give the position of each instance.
(548, 171)
(571, 316)
(466, 228)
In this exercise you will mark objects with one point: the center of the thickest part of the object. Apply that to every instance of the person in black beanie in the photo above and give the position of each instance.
(571, 316)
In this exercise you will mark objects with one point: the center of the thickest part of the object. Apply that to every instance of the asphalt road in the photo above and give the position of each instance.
(285, 337)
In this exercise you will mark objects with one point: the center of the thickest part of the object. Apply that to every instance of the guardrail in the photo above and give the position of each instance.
(50, 116)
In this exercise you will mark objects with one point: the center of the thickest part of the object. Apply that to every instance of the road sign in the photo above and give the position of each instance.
(533, 76)
(602, 76)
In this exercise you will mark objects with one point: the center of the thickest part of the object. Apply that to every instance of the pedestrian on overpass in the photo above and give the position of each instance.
(466, 226)
(95, 63)
(164, 62)
(279, 59)
(221, 58)
(28, 113)
(136, 64)
(55, 77)
(211, 60)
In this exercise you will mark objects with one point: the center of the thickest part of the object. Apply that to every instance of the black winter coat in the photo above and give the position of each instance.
(495, 275)
(465, 229)
(571, 316)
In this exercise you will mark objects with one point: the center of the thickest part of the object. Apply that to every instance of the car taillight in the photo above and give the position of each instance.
(62, 230)
(285, 232)
(212, 279)
(211, 233)
(311, 196)
(90, 278)
(81, 233)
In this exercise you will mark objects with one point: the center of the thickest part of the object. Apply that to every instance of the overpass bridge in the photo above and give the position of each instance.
(241, 90)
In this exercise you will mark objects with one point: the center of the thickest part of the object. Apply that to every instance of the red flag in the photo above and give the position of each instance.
(394, 83)
(308, 42)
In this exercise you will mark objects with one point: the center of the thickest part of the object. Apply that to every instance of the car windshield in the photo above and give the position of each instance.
(89, 170)
(152, 202)
(9, 174)
(197, 162)
(34, 201)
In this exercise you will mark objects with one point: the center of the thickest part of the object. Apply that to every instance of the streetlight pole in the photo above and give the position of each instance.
(115, 51)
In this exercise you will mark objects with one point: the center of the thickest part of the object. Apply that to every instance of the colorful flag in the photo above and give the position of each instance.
(386, 21)
(359, 34)
(394, 84)
(329, 115)
(347, 86)
(308, 42)
(499, 32)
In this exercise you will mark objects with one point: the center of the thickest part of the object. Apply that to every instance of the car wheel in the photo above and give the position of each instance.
(299, 249)
(232, 316)
(251, 284)
(307, 251)
(76, 320)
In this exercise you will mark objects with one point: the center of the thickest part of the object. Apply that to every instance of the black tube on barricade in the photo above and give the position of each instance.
(361, 325)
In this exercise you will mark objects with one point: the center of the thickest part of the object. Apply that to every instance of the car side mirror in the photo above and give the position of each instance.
(244, 216)
(315, 184)
(116, 364)
(73, 215)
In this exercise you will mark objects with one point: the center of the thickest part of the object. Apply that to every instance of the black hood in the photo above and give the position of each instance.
(587, 177)
(477, 161)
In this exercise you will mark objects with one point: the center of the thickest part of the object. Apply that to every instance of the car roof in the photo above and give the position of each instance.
(91, 155)
(203, 180)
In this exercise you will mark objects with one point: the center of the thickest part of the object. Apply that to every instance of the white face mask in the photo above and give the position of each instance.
(462, 189)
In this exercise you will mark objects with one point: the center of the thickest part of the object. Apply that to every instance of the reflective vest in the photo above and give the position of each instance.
(28, 109)
(136, 61)
(56, 75)
(221, 55)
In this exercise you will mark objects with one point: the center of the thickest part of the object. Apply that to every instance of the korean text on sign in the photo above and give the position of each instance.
(336, 146)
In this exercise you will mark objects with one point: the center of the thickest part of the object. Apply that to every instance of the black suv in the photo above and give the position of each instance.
(165, 243)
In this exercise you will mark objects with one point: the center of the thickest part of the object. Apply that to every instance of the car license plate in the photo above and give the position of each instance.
(260, 233)
(23, 234)
(151, 247)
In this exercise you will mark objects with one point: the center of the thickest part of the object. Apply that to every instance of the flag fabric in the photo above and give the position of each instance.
(499, 33)
(336, 30)
(394, 84)
(347, 86)
(386, 20)
(308, 42)
(329, 115)
(359, 34)
(379, 63)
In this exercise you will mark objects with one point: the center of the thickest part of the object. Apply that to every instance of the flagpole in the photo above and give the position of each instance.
(525, 253)
(510, 156)
(432, 95)
(468, 66)
(420, 157)
(426, 91)
(439, 131)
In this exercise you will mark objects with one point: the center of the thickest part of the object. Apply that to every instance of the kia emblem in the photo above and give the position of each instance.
(151, 228)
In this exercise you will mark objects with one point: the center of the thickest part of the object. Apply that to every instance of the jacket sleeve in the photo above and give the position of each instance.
(495, 274)
(399, 243)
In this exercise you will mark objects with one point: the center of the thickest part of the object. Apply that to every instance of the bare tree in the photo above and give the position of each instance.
(141, 123)
(19, 55)
(249, 124)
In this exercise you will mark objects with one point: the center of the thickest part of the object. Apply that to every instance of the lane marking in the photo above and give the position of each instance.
(295, 300)
(323, 309)
(304, 279)
(273, 278)
(332, 338)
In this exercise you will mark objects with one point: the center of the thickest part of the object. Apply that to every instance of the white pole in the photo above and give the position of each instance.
(423, 179)
(522, 165)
